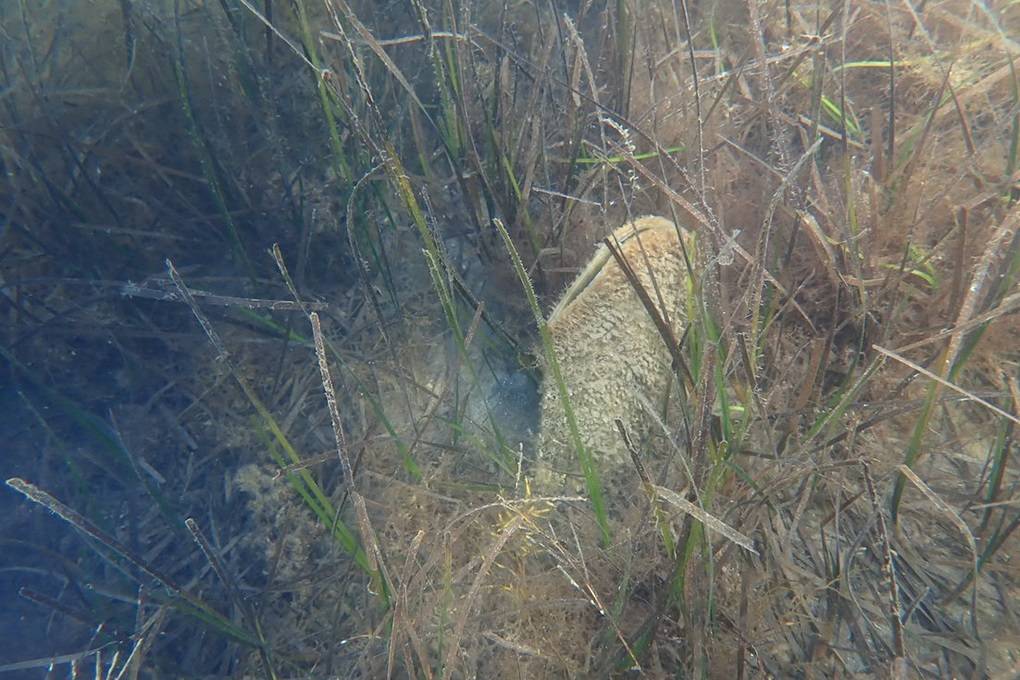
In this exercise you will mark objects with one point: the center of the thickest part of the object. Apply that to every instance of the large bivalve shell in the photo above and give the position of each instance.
(610, 352)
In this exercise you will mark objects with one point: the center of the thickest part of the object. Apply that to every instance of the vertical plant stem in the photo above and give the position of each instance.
(591, 477)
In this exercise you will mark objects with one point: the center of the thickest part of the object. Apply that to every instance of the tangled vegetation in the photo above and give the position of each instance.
(276, 281)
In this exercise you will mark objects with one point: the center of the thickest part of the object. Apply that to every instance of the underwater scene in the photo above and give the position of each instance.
(473, 339)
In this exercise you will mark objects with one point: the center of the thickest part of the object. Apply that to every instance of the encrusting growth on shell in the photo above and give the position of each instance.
(610, 351)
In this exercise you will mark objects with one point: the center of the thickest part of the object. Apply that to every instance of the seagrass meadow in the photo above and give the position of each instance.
(475, 339)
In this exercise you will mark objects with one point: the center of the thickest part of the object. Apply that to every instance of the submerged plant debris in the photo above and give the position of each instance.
(285, 391)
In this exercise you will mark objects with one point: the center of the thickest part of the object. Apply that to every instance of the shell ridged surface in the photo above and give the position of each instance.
(610, 351)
